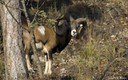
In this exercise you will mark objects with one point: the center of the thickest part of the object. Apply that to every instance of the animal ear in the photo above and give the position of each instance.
(71, 18)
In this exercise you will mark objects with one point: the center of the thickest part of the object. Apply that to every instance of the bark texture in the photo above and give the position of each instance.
(12, 39)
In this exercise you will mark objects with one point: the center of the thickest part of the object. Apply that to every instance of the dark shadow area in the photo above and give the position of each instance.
(1, 39)
(58, 77)
(125, 77)
(53, 6)
(57, 4)
(93, 12)
(67, 78)
(46, 4)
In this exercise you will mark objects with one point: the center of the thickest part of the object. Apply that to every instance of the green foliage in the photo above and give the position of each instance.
(42, 14)
(43, 19)
(51, 22)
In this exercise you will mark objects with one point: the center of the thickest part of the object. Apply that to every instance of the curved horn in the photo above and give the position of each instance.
(60, 27)
(81, 20)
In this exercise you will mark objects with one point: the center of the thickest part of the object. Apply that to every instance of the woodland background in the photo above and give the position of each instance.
(100, 54)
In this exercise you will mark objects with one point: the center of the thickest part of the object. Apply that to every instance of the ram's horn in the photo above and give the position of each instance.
(81, 20)
(61, 26)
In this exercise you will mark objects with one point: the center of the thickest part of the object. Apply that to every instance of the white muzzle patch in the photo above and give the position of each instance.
(73, 32)
(42, 30)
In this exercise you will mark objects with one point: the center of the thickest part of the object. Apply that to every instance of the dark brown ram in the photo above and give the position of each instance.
(50, 41)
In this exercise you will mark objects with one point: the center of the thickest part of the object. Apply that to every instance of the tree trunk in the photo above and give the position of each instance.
(12, 39)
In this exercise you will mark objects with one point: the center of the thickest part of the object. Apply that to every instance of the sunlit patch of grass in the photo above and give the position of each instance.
(83, 77)
(96, 56)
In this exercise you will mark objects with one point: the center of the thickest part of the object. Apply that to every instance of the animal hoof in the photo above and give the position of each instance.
(45, 73)
(48, 73)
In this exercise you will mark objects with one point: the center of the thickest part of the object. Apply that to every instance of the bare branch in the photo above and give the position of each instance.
(37, 13)
(25, 12)
(3, 3)
(12, 15)
(32, 40)
(7, 7)
(9, 11)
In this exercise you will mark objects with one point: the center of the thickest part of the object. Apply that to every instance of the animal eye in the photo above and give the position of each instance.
(81, 25)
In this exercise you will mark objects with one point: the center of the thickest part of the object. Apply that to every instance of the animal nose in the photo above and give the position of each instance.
(73, 32)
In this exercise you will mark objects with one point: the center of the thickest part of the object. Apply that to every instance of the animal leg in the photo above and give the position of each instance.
(46, 65)
(28, 63)
(49, 64)
(48, 59)
(27, 57)
(41, 58)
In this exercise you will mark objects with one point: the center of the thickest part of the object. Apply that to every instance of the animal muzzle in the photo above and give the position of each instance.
(73, 32)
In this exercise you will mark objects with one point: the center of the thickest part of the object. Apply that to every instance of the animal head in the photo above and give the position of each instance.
(72, 25)
(77, 25)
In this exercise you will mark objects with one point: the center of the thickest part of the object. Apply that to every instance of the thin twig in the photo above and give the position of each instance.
(25, 12)
(7, 7)
(37, 13)
(3, 3)
(12, 15)
(106, 69)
